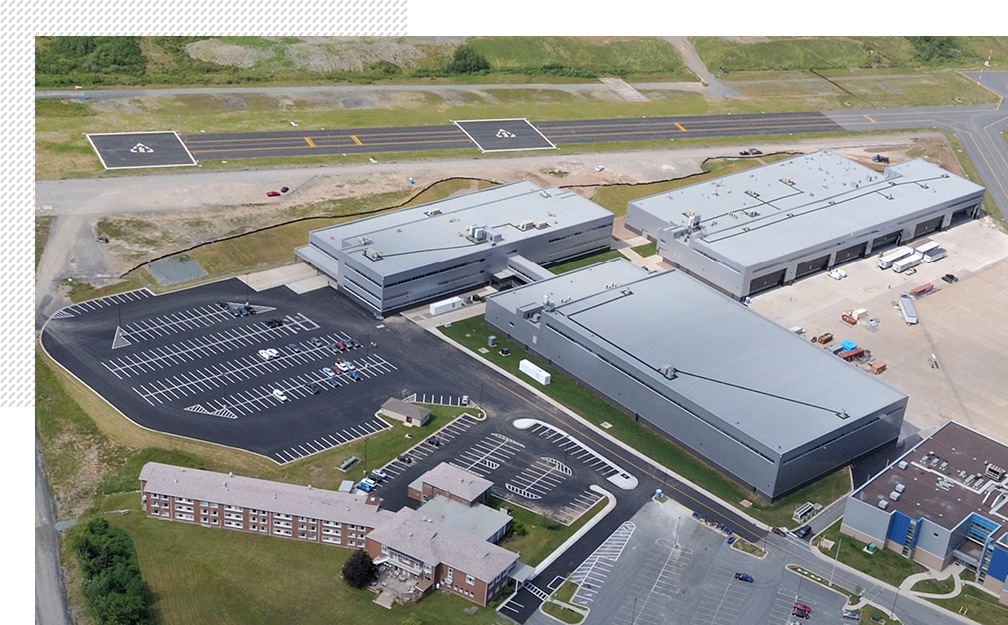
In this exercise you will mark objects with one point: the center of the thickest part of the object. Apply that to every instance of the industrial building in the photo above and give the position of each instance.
(763, 405)
(943, 502)
(768, 226)
(498, 235)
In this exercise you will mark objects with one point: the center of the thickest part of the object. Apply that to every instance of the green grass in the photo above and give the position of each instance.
(977, 605)
(971, 173)
(584, 261)
(42, 227)
(62, 108)
(648, 249)
(560, 612)
(565, 592)
(936, 587)
(885, 565)
(747, 547)
(80, 290)
(212, 575)
(543, 535)
(472, 334)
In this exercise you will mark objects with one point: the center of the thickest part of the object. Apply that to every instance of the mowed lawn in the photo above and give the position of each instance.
(211, 575)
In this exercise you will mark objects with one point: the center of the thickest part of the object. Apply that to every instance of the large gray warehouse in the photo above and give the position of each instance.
(418, 254)
(764, 405)
(768, 226)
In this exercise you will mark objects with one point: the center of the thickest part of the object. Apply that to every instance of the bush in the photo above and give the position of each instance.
(111, 583)
(467, 60)
(360, 571)
(938, 49)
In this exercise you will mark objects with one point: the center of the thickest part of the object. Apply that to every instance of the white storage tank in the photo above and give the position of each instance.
(534, 372)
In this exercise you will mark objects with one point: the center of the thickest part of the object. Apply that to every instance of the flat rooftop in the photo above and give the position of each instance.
(792, 205)
(967, 453)
(480, 521)
(436, 232)
(454, 480)
(670, 318)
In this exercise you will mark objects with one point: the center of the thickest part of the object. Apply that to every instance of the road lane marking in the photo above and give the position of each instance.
(870, 119)
(679, 126)
(356, 140)
(310, 143)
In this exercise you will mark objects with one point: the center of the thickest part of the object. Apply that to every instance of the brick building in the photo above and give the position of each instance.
(252, 505)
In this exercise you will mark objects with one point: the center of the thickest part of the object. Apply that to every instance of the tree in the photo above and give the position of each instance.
(467, 60)
(360, 570)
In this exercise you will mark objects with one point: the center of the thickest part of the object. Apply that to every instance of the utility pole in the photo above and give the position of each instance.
(246, 289)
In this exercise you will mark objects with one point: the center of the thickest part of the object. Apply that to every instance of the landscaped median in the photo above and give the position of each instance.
(559, 607)
(472, 334)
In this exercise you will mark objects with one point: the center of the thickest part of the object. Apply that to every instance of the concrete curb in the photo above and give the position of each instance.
(763, 526)
(576, 536)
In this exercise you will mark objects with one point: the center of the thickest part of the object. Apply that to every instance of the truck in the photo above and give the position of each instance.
(923, 289)
(903, 264)
(885, 261)
(925, 246)
(934, 254)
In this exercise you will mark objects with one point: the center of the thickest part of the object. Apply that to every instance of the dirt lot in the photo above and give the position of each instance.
(961, 324)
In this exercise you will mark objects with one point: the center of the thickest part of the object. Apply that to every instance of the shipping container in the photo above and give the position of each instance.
(903, 264)
(848, 319)
(536, 373)
(825, 338)
(851, 354)
(935, 254)
(886, 260)
(878, 367)
(445, 305)
(921, 290)
(924, 248)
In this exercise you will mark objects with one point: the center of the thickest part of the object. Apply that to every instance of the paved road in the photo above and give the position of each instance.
(449, 137)
(50, 597)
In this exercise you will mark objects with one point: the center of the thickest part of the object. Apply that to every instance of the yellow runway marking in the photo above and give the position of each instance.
(679, 126)
(310, 143)
(356, 140)
(870, 119)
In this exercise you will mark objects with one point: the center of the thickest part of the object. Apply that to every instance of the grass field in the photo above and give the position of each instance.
(885, 565)
(977, 605)
(584, 261)
(562, 613)
(971, 173)
(646, 250)
(472, 333)
(934, 586)
(211, 575)
(543, 535)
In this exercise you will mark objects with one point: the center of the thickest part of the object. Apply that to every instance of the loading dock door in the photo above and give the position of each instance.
(768, 281)
(928, 226)
(850, 253)
(812, 266)
(884, 240)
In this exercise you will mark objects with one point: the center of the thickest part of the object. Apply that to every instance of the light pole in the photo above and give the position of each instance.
(892, 613)
(367, 347)
(246, 288)
(482, 384)
(839, 544)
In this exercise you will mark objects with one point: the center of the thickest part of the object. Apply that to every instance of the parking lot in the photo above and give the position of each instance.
(294, 375)
(955, 329)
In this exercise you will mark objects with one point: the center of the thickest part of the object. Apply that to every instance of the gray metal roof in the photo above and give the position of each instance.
(481, 521)
(454, 480)
(571, 285)
(433, 542)
(420, 235)
(405, 408)
(247, 492)
(670, 318)
(786, 207)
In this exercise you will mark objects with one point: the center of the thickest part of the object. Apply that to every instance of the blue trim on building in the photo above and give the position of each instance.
(998, 568)
(899, 523)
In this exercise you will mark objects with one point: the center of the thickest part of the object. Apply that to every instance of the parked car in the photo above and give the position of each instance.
(600, 168)
(294, 347)
(342, 366)
(800, 613)
(404, 459)
(798, 605)
(284, 189)
(102, 239)
(744, 153)
(434, 441)
(224, 306)
(744, 577)
(378, 475)
(837, 274)
(803, 531)
(367, 485)
(779, 531)
(274, 323)
(272, 194)
(354, 375)
(854, 616)
(351, 366)
(279, 394)
(316, 341)
(950, 278)
(314, 388)
(269, 353)
(339, 346)
(352, 344)
(909, 272)
(327, 372)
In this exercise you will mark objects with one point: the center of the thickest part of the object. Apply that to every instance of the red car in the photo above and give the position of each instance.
(801, 607)
(272, 194)
(339, 346)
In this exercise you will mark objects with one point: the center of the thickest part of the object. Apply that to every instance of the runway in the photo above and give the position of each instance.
(450, 137)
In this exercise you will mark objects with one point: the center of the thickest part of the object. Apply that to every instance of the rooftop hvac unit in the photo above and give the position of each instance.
(944, 465)
(526, 224)
(372, 254)
(894, 496)
(668, 371)
(432, 212)
(476, 233)
(903, 464)
(994, 472)
(900, 488)
(970, 479)
(364, 241)
(544, 193)
(979, 484)
(694, 221)
(540, 225)
(883, 504)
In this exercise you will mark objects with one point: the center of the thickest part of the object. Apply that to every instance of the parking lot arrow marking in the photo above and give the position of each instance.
(504, 134)
(141, 149)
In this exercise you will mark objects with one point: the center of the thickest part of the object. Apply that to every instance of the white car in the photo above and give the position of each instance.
(350, 366)
(342, 366)
(600, 168)
(279, 394)
(266, 354)
(328, 372)
(837, 274)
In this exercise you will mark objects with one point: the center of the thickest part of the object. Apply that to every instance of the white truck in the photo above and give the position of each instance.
(934, 254)
(903, 264)
(886, 260)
